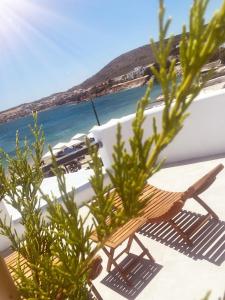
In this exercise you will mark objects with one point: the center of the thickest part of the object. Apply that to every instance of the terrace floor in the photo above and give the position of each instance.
(179, 272)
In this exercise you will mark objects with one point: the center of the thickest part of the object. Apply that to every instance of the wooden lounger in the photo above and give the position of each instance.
(162, 206)
(13, 259)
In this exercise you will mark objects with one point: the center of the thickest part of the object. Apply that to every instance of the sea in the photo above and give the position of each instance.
(60, 124)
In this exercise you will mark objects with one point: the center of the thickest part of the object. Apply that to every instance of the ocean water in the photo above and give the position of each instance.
(63, 122)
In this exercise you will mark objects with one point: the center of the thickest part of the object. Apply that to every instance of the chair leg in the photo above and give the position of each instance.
(129, 243)
(145, 250)
(206, 207)
(110, 259)
(180, 232)
(124, 271)
(95, 291)
(113, 262)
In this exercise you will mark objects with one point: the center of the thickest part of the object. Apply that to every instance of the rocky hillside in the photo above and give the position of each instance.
(125, 63)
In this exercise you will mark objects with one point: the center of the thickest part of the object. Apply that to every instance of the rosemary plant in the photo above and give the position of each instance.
(57, 248)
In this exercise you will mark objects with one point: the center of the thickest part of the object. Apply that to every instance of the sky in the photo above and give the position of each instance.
(48, 46)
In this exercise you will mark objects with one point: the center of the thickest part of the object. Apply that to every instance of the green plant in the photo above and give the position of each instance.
(57, 249)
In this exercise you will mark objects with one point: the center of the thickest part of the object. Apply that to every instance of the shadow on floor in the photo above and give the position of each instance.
(208, 242)
(140, 275)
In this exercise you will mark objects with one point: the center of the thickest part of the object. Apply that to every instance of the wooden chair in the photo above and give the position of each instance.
(13, 259)
(164, 205)
(161, 206)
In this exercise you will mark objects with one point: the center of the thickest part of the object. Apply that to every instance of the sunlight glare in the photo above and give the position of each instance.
(22, 21)
(14, 14)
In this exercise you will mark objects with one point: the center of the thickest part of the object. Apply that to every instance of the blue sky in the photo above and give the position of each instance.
(47, 46)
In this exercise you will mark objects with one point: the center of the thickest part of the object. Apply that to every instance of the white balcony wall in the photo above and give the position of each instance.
(202, 135)
(78, 181)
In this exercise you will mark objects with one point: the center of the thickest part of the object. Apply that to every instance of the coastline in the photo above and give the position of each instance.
(27, 109)
(136, 78)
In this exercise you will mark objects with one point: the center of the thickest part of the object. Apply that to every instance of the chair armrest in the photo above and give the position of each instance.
(203, 183)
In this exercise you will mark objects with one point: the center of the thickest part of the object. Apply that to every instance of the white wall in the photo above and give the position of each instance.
(83, 193)
(203, 133)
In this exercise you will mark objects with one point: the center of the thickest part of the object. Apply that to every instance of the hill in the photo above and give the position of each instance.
(125, 63)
